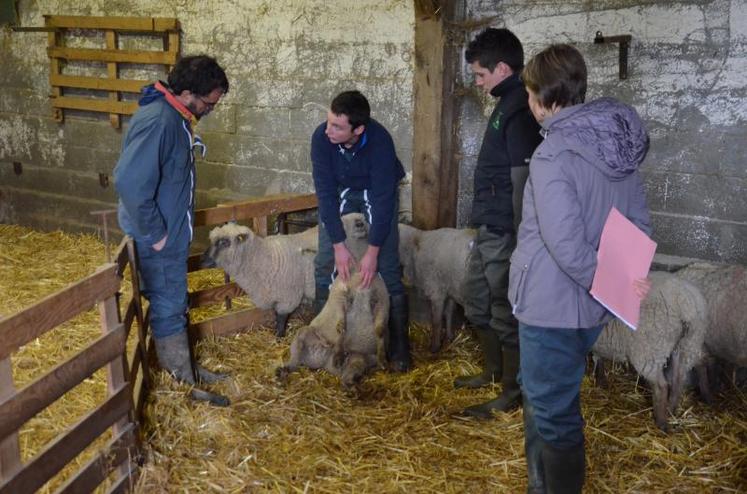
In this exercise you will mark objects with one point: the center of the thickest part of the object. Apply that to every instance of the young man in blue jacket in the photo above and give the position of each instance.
(155, 180)
(356, 169)
(496, 57)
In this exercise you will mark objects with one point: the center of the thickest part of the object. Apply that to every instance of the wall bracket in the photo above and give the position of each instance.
(624, 41)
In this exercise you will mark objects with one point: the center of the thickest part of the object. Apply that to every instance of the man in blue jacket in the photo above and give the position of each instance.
(155, 180)
(356, 169)
(496, 57)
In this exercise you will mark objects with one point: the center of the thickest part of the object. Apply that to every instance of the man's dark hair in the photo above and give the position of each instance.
(197, 74)
(496, 45)
(557, 75)
(353, 105)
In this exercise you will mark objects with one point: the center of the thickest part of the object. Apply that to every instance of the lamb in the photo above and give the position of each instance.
(725, 289)
(277, 272)
(435, 262)
(667, 344)
(348, 337)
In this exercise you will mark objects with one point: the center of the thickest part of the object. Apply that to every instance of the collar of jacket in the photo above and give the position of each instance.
(506, 85)
(562, 114)
(176, 104)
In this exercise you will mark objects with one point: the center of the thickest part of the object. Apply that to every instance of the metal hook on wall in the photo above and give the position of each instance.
(624, 41)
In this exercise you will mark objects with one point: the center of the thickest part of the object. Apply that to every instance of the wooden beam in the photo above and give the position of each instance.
(233, 322)
(62, 450)
(90, 104)
(50, 312)
(120, 56)
(112, 72)
(137, 24)
(33, 398)
(214, 295)
(10, 452)
(119, 450)
(254, 208)
(435, 169)
(97, 83)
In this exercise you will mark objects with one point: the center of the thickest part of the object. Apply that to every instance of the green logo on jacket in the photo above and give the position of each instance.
(496, 123)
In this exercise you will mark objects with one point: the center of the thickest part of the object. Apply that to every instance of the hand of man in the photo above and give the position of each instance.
(641, 287)
(160, 244)
(344, 260)
(369, 263)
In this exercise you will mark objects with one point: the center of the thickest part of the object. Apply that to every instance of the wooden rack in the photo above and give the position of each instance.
(167, 28)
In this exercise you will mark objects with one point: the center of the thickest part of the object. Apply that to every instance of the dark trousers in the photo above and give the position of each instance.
(486, 285)
(553, 361)
(388, 261)
(163, 281)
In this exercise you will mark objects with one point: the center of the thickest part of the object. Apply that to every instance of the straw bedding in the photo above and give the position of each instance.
(401, 434)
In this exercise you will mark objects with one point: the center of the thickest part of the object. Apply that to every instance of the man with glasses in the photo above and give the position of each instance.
(155, 180)
(496, 57)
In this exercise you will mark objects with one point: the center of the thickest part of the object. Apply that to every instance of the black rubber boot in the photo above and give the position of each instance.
(533, 452)
(492, 370)
(321, 295)
(564, 469)
(510, 397)
(175, 357)
(398, 351)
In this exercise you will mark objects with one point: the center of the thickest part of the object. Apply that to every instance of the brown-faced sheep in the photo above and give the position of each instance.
(277, 272)
(435, 263)
(348, 337)
(667, 344)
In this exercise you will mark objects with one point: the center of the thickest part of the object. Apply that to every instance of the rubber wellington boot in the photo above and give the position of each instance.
(564, 469)
(510, 397)
(533, 450)
(398, 352)
(490, 345)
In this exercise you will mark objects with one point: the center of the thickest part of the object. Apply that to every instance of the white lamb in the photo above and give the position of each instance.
(277, 272)
(667, 344)
(435, 263)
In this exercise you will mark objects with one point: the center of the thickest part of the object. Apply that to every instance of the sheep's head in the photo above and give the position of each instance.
(225, 243)
(355, 226)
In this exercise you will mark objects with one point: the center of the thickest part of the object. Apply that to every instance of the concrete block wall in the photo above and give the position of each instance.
(687, 78)
(285, 61)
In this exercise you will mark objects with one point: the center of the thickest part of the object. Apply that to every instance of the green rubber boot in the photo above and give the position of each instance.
(510, 397)
(490, 345)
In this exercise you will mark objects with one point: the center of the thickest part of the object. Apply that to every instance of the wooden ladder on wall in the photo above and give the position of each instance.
(111, 55)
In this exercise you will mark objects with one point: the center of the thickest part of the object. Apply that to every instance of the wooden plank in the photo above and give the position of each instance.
(259, 225)
(36, 396)
(120, 56)
(98, 83)
(194, 263)
(30, 323)
(53, 40)
(137, 300)
(254, 208)
(214, 295)
(234, 322)
(10, 453)
(122, 257)
(116, 375)
(67, 446)
(122, 485)
(112, 72)
(120, 449)
(137, 24)
(100, 105)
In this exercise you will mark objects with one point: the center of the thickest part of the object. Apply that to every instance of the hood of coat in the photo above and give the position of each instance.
(607, 133)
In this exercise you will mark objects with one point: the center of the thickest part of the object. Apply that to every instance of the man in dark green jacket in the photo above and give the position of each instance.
(496, 57)
(155, 180)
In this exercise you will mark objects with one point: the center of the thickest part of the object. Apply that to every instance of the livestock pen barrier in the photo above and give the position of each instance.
(119, 416)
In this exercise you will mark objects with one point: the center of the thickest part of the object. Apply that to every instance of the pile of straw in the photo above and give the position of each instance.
(402, 434)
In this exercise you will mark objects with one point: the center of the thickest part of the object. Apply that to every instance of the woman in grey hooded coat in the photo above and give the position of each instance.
(587, 164)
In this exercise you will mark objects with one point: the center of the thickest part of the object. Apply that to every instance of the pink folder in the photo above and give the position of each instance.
(625, 254)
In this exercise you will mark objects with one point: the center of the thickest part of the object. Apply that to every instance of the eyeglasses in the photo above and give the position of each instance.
(209, 104)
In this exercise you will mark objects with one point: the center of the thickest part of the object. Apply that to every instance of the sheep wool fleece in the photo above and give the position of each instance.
(155, 180)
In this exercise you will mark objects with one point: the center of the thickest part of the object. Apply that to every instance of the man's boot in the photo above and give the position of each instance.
(564, 469)
(321, 294)
(533, 451)
(175, 357)
(490, 345)
(398, 350)
(510, 397)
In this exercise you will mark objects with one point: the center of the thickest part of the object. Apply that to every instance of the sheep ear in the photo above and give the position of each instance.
(241, 237)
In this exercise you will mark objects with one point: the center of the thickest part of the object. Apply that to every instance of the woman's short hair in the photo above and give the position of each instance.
(557, 75)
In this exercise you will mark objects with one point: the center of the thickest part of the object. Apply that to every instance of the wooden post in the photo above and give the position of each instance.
(117, 373)
(142, 332)
(53, 41)
(111, 67)
(435, 179)
(10, 455)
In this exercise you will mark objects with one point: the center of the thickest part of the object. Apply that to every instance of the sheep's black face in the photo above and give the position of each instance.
(212, 252)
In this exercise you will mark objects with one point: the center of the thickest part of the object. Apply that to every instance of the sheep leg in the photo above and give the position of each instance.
(704, 385)
(353, 371)
(600, 373)
(307, 349)
(676, 380)
(660, 390)
(380, 330)
(450, 314)
(281, 323)
(437, 314)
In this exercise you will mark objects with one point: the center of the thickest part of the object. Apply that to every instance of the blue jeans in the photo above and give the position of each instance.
(387, 262)
(163, 281)
(553, 361)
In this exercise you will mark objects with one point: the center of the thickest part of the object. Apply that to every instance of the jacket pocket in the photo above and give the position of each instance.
(521, 262)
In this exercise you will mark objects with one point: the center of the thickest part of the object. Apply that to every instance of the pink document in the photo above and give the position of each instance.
(625, 254)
